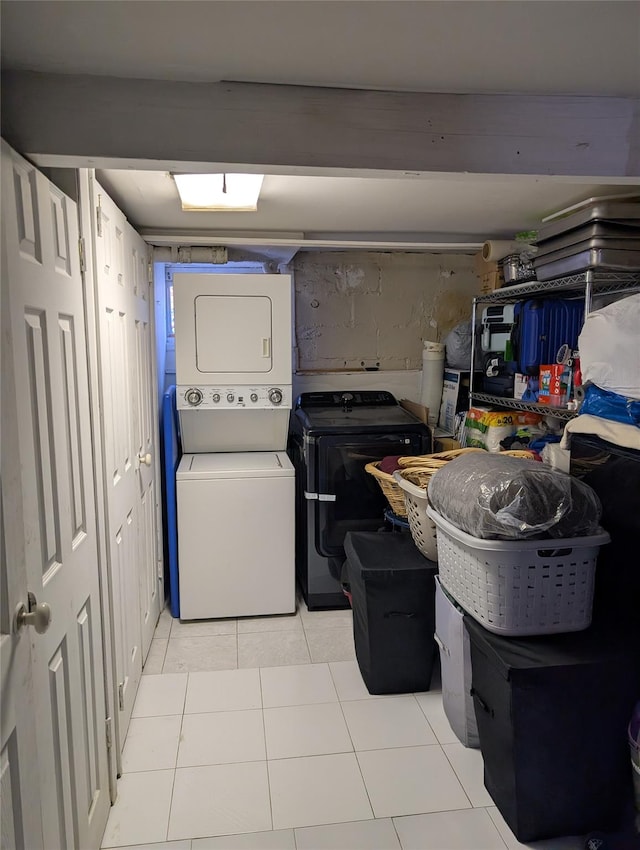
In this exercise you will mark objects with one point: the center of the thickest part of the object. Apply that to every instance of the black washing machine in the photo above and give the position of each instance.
(333, 435)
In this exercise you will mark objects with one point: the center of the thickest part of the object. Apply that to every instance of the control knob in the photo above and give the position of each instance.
(275, 396)
(215, 398)
(193, 397)
(254, 397)
(230, 397)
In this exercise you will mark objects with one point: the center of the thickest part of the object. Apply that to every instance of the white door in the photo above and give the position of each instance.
(53, 447)
(129, 429)
(146, 440)
(20, 819)
(233, 334)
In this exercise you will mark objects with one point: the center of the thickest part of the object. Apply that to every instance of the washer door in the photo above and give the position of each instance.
(349, 499)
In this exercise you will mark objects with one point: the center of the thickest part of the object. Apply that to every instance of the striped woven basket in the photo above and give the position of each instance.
(389, 487)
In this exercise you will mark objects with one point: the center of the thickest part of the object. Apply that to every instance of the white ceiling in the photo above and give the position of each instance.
(533, 46)
(437, 209)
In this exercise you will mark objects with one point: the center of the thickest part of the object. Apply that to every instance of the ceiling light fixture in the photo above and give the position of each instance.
(219, 192)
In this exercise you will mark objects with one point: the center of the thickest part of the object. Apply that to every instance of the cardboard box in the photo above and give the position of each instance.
(445, 444)
(481, 266)
(490, 274)
(491, 281)
(455, 397)
(520, 383)
(418, 410)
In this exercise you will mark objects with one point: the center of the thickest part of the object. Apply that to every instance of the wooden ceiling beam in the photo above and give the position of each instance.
(59, 119)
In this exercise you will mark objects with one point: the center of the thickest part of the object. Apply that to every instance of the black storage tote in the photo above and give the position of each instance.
(393, 589)
(552, 716)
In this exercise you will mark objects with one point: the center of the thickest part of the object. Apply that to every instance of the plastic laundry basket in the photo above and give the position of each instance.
(423, 529)
(519, 587)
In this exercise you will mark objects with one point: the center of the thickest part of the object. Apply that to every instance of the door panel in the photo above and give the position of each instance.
(113, 308)
(57, 488)
(130, 440)
(233, 334)
(20, 819)
(146, 443)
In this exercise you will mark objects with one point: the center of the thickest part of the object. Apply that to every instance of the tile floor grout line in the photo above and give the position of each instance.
(486, 808)
(164, 655)
(458, 778)
(364, 783)
(173, 785)
(266, 754)
(433, 731)
(395, 829)
(306, 640)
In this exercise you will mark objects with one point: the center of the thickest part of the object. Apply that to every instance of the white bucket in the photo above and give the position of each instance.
(432, 374)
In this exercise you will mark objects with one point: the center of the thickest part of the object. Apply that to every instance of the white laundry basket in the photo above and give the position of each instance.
(423, 529)
(519, 587)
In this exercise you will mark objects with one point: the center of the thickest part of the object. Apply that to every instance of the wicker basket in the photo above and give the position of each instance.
(425, 466)
(414, 482)
(389, 487)
(436, 461)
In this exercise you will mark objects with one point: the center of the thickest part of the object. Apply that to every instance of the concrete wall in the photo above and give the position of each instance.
(375, 309)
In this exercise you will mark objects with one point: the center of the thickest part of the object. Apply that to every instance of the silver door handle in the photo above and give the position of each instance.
(36, 614)
(146, 459)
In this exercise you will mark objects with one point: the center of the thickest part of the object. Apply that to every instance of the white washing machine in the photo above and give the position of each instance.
(236, 534)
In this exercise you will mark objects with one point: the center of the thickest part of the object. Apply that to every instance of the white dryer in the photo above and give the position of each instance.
(236, 534)
(233, 360)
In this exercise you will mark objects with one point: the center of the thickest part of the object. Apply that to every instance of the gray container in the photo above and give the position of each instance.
(455, 663)
(594, 258)
(618, 212)
(592, 230)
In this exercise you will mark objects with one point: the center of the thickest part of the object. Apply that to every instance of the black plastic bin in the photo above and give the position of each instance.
(393, 598)
(552, 717)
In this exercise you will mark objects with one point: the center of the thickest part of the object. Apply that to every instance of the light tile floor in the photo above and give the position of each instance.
(259, 734)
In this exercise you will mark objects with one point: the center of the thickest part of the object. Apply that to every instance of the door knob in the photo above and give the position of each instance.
(36, 614)
(146, 459)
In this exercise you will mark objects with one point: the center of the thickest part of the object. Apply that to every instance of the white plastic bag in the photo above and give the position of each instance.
(609, 346)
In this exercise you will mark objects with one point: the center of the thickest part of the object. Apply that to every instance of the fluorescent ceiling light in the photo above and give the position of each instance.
(206, 192)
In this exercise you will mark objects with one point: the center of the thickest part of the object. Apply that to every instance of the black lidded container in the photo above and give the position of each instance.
(552, 717)
(393, 598)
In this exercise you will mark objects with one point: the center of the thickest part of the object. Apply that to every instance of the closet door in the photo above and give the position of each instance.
(48, 500)
(129, 436)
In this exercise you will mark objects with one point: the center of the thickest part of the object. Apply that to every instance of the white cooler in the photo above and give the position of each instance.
(455, 663)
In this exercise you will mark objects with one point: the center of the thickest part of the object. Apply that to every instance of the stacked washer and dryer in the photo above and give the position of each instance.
(235, 484)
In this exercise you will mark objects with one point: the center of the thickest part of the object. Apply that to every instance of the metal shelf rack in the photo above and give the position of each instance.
(603, 283)
(530, 406)
(589, 283)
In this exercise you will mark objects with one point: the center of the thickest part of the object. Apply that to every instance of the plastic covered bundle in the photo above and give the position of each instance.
(506, 498)
(609, 350)
(457, 346)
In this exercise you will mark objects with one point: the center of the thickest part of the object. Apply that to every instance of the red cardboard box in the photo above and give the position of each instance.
(555, 385)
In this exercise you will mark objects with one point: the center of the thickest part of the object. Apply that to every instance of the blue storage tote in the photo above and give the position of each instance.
(455, 666)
